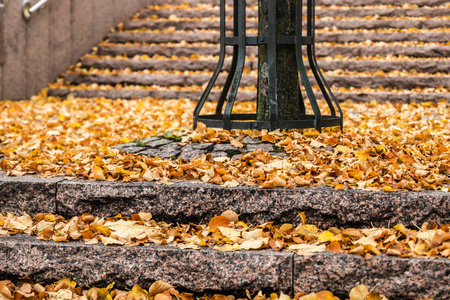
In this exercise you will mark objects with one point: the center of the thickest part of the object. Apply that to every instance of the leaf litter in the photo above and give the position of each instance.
(66, 289)
(384, 146)
(227, 233)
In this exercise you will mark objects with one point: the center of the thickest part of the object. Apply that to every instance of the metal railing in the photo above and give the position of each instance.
(28, 10)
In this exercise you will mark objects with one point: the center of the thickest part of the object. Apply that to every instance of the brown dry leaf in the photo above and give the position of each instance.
(158, 287)
(306, 249)
(231, 215)
(63, 294)
(145, 216)
(359, 292)
(108, 241)
(236, 143)
(254, 244)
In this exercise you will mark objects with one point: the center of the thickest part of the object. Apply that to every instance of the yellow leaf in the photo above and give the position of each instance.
(138, 293)
(253, 244)
(343, 149)
(400, 228)
(308, 229)
(388, 188)
(362, 155)
(327, 236)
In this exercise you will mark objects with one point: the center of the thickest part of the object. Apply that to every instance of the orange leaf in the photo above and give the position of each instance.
(219, 221)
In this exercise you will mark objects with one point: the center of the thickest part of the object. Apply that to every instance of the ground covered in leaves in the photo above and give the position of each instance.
(384, 146)
(227, 233)
(66, 289)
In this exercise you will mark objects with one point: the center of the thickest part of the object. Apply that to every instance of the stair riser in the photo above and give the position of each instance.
(246, 96)
(409, 82)
(321, 51)
(320, 13)
(200, 65)
(330, 37)
(342, 25)
(97, 265)
(395, 278)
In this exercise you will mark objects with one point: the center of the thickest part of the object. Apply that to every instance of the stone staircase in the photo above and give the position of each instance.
(169, 50)
(386, 51)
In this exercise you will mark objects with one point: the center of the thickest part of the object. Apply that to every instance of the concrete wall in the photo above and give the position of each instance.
(38, 51)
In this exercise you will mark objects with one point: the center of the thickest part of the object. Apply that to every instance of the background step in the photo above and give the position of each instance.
(321, 50)
(226, 272)
(318, 2)
(330, 37)
(360, 65)
(403, 82)
(124, 93)
(183, 25)
(360, 48)
(321, 12)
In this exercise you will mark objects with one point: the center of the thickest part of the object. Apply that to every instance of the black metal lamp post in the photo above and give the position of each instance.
(224, 118)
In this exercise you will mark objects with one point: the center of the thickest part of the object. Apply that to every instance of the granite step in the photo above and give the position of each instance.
(401, 82)
(321, 12)
(207, 270)
(321, 50)
(329, 37)
(183, 25)
(124, 93)
(194, 202)
(361, 65)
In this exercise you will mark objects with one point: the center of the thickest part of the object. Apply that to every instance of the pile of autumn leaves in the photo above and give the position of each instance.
(384, 146)
(227, 233)
(66, 289)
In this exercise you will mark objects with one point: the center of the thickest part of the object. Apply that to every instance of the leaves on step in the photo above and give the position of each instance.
(227, 233)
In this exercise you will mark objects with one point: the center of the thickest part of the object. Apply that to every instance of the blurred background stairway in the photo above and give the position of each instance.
(396, 51)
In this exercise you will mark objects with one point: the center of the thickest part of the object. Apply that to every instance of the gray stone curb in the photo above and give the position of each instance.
(99, 265)
(226, 272)
(29, 194)
(396, 278)
(188, 202)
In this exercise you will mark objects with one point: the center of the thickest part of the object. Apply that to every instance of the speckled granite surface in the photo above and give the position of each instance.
(193, 202)
(169, 147)
(97, 265)
(28, 193)
(396, 278)
(208, 270)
